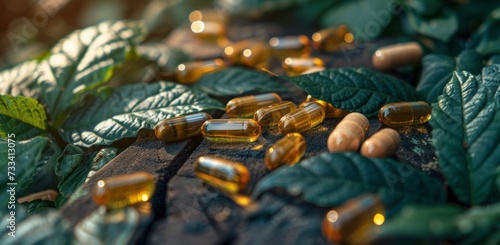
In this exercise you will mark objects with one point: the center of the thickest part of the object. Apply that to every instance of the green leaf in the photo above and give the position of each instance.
(466, 134)
(486, 39)
(425, 8)
(361, 90)
(237, 81)
(162, 55)
(438, 70)
(371, 17)
(129, 108)
(256, 7)
(19, 80)
(491, 79)
(21, 116)
(441, 27)
(330, 179)
(84, 60)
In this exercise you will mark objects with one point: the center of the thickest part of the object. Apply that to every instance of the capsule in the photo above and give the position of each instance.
(287, 150)
(349, 133)
(405, 113)
(331, 39)
(296, 66)
(250, 53)
(330, 110)
(208, 15)
(47, 195)
(181, 127)
(210, 31)
(246, 106)
(228, 176)
(302, 119)
(270, 115)
(191, 72)
(313, 69)
(355, 221)
(290, 46)
(124, 190)
(384, 143)
(391, 57)
(230, 130)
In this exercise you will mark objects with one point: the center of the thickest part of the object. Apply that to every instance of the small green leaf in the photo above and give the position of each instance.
(466, 134)
(237, 81)
(491, 79)
(162, 55)
(330, 179)
(361, 90)
(441, 27)
(19, 80)
(129, 108)
(486, 39)
(21, 116)
(84, 60)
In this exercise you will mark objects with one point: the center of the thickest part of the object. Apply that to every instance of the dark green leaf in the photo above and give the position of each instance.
(102, 120)
(486, 39)
(37, 206)
(21, 116)
(19, 80)
(161, 55)
(424, 8)
(441, 27)
(360, 90)
(237, 81)
(466, 134)
(495, 59)
(491, 79)
(332, 178)
(257, 6)
(84, 60)
(471, 61)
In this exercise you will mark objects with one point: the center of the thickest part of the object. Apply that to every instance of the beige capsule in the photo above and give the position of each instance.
(287, 150)
(296, 66)
(270, 115)
(349, 133)
(384, 143)
(393, 56)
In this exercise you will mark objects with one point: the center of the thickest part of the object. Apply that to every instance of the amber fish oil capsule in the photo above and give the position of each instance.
(330, 110)
(270, 115)
(354, 221)
(124, 190)
(391, 57)
(287, 150)
(405, 113)
(246, 106)
(296, 66)
(331, 39)
(210, 30)
(383, 143)
(228, 176)
(231, 130)
(290, 46)
(181, 127)
(250, 53)
(349, 133)
(302, 119)
(191, 72)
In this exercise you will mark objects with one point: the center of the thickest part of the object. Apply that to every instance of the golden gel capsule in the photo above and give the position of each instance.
(230, 130)
(391, 57)
(210, 31)
(331, 39)
(246, 106)
(287, 150)
(290, 46)
(181, 127)
(405, 113)
(302, 119)
(383, 143)
(270, 115)
(250, 53)
(124, 190)
(296, 66)
(191, 72)
(354, 221)
(330, 110)
(313, 69)
(208, 15)
(225, 175)
(349, 133)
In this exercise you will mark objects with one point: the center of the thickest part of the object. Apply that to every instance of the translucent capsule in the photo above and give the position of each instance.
(47, 195)
(181, 127)
(313, 69)
(391, 57)
(330, 110)
(191, 72)
(246, 106)
(296, 66)
(287, 150)
(331, 39)
(349, 133)
(211, 31)
(384, 143)
(228, 176)
(124, 190)
(250, 53)
(355, 221)
(270, 115)
(405, 113)
(290, 46)
(230, 130)
(302, 119)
